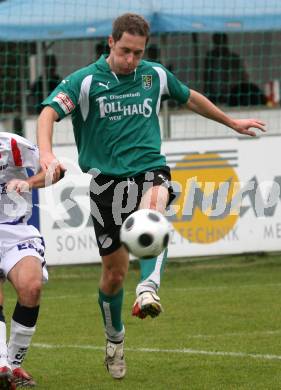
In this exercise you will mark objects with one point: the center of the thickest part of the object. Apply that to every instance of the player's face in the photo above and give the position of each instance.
(126, 53)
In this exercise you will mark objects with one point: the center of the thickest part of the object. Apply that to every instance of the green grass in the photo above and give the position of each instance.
(228, 305)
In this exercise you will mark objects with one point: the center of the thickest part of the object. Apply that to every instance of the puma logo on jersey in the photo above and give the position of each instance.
(104, 85)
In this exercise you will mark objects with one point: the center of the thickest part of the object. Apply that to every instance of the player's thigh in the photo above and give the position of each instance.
(156, 190)
(27, 273)
(156, 198)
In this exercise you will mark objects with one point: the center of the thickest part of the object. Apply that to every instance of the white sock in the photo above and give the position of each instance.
(20, 339)
(152, 281)
(146, 285)
(3, 345)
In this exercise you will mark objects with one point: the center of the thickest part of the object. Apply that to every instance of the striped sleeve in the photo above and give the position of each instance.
(25, 154)
(16, 153)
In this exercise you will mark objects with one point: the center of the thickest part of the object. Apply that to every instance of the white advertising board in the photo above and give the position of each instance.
(65, 221)
(228, 201)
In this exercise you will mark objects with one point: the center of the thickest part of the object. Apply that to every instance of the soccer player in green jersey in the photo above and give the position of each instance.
(114, 105)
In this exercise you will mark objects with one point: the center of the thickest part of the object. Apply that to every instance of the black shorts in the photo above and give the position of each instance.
(114, 199)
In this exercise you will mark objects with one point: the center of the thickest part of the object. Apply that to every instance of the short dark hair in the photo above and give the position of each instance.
(133, 24)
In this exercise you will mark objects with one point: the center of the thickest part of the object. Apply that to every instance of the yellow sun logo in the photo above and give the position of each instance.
(204, 211)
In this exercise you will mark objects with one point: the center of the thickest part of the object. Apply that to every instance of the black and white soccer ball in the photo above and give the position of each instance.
(145, 233)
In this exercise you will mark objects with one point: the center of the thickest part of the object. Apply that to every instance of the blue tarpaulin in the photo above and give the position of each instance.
(41, 20)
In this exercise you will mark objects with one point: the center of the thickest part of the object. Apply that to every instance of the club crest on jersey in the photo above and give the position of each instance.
(146, 81)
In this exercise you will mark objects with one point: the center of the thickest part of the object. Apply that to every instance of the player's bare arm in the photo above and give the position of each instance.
(48, 160)
(39, 180)
(203, 106)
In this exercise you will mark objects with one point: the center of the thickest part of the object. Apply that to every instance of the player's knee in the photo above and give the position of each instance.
(30, 293)
(115, 277)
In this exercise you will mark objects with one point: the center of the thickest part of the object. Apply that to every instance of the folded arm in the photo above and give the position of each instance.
(41, 179)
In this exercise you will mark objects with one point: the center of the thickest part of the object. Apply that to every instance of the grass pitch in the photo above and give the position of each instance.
(221, 329)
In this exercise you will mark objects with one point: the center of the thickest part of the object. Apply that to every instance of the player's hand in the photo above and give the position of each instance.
(243, 126)
(53, 169)
(18, 186)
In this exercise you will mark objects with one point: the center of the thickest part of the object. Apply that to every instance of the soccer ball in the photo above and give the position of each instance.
(145, 233)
